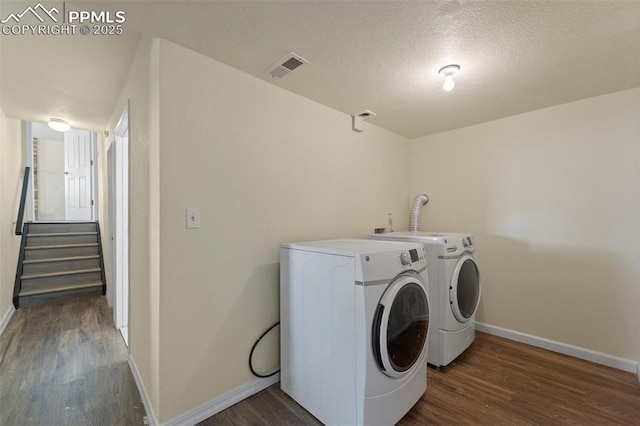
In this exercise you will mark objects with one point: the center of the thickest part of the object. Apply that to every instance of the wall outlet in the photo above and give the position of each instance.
(193, 217)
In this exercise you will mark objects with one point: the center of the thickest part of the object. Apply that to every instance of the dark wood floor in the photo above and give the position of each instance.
(495, 382)
(66, 364)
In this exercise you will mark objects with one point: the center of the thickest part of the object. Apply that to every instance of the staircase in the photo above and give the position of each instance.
(59, 261)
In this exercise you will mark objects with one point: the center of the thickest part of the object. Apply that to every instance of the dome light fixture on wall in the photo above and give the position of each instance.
(448, 72)
(58, 124)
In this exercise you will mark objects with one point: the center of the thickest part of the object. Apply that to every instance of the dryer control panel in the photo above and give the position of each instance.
(455, 245)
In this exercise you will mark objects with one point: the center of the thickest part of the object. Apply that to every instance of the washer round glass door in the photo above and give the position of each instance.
(400, 326)
(464, 290)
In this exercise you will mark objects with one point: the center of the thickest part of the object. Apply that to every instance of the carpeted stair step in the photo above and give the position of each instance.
(61, 250)
(58, 293)
(59, 238)
(60, 287)
(60, 228)
(77, 276)
(60, 264)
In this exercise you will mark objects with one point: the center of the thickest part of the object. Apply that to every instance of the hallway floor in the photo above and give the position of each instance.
(66, 364)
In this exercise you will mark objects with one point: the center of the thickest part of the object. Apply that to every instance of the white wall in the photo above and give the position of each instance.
(43, 131)
(553, 198)
(50, 180)
(265, 166)
(141, 87)
(11, 168)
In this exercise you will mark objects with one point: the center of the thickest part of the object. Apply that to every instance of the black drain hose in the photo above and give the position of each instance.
(253, 349)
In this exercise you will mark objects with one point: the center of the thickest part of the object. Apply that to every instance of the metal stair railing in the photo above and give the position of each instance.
(21, 229)
(23, 200)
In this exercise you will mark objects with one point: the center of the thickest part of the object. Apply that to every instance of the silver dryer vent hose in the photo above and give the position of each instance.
(416, 211)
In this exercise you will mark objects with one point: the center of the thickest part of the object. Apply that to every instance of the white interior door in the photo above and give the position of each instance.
(77, 154)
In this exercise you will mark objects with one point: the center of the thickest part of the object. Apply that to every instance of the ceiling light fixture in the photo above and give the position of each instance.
(448, 72)
(58, 124)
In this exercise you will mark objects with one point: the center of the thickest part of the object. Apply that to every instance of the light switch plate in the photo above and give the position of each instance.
(193, 217)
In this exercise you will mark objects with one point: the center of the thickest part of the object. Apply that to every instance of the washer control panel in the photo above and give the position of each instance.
(411, 256)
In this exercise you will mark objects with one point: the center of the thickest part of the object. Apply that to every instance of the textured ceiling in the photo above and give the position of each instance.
(77, 78)
(515, 56)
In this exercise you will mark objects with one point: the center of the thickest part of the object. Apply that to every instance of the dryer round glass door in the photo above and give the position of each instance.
(464, 290)
(400, 326)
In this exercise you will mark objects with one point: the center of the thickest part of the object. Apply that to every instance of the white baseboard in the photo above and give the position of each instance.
(151, 418)
(563, 348)
(206, 410)
(6, 319)
(215, 406)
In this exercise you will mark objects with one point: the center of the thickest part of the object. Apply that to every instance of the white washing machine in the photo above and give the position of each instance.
(455, 288)
(354, 329)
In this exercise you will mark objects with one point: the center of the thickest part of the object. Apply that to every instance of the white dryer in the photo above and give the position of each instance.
(455, 288)
(354, 329)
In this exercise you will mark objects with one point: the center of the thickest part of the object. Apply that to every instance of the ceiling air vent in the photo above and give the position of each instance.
(286, 64)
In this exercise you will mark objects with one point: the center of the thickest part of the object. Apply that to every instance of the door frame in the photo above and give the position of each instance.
(118, 220)
(29, 133)
(111, 224)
